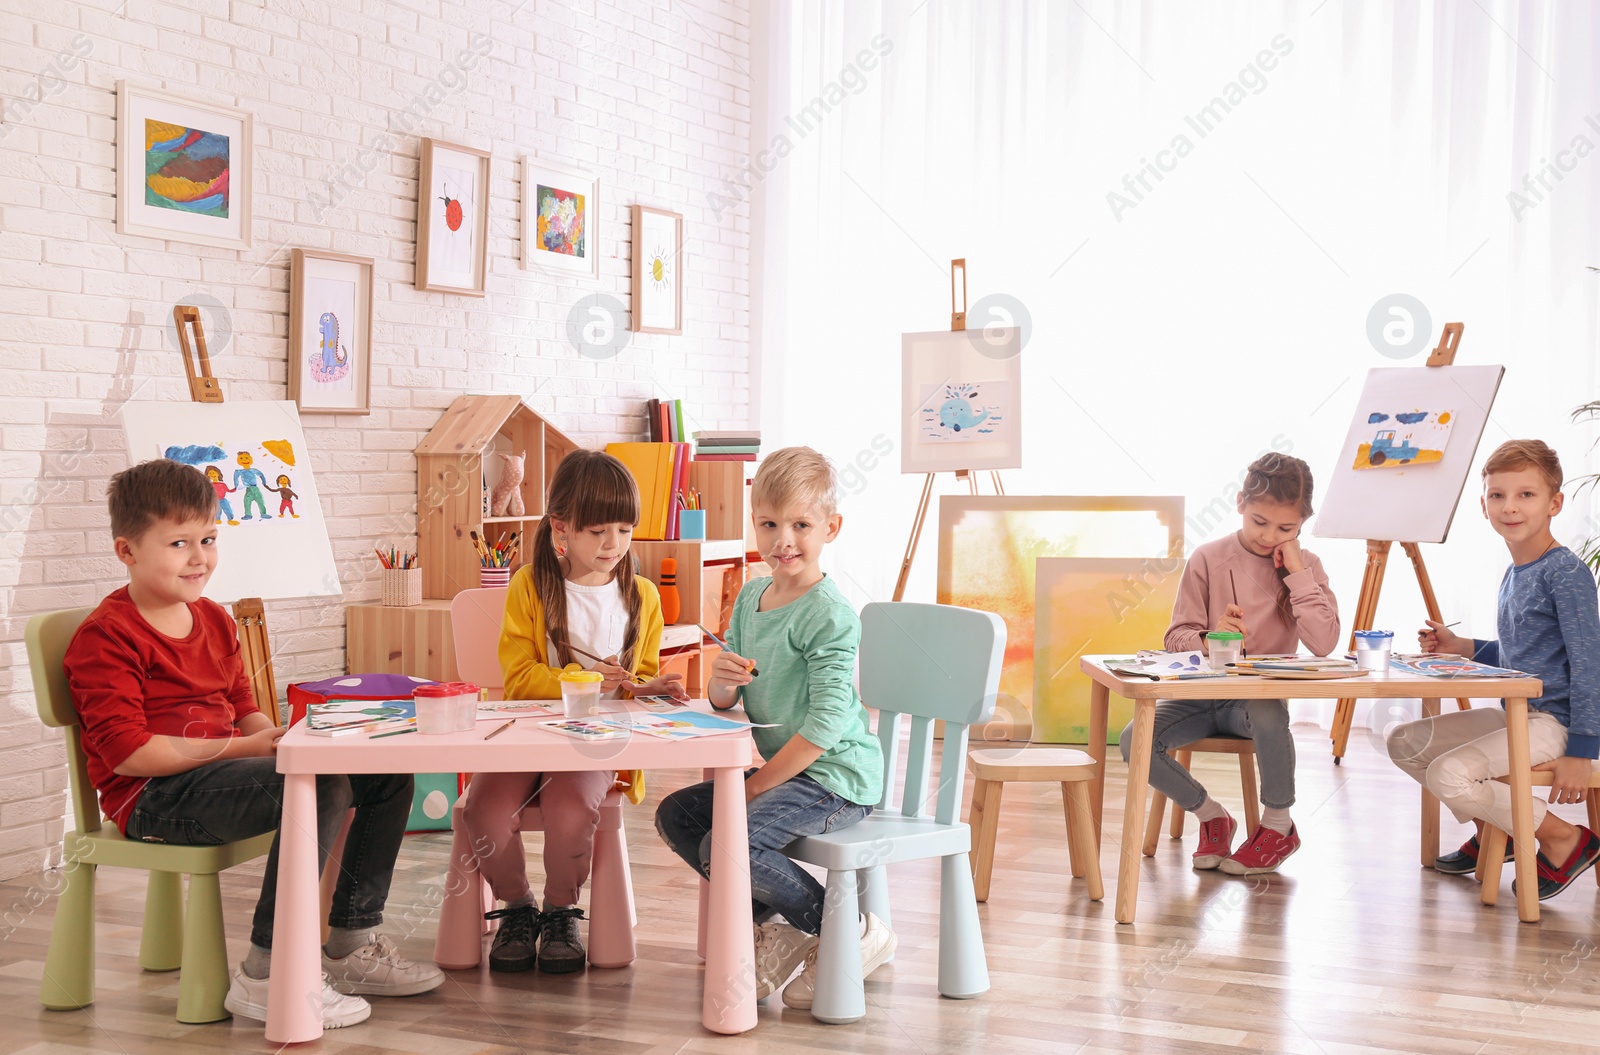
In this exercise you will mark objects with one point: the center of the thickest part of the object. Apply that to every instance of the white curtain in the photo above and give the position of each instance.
(1199, 273)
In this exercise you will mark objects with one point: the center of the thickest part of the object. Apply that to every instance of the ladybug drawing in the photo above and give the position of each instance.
(452, 212)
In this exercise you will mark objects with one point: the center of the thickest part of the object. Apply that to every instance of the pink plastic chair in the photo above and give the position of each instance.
(475, 617)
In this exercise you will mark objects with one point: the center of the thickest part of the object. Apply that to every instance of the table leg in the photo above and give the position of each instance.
(1144, 721)
(1430, 805)
(1521, 780)
(729, 1004)
(294, 996)
(1099, 714)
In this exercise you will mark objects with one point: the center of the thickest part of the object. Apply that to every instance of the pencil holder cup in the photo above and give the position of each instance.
(489, 578)
(402, 587)
(691, 523)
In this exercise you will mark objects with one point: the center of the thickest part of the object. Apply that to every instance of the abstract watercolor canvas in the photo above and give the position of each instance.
(271, 538)
(1404, 437)
(560, 218)
(330, 332)
(184, 168)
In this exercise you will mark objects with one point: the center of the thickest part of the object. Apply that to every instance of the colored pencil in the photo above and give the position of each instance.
(397, 732)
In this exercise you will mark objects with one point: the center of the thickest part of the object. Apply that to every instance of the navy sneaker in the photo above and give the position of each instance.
(1465, 860)
(1553, 880)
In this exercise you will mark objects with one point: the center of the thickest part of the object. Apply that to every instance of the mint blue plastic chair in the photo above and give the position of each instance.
(931, 662)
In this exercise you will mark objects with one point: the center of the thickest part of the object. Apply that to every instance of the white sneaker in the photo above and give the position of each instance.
(877, 946)
(378, 969)
(247, 998)
(779, 950)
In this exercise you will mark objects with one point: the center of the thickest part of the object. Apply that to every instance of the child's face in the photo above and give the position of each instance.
(791, 539)
(595, 551)
(1519, 503)
(1268, 524)
(171, 562)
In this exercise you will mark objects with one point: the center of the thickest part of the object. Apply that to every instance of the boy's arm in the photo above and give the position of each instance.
(164, 756)
(1316, 613)
(792, 759)
(721, 691)
(1578, 616)
(1190, 619)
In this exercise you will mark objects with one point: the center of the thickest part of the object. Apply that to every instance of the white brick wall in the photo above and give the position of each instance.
(655, 96)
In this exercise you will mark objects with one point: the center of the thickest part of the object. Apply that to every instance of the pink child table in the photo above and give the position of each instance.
(294, 1002)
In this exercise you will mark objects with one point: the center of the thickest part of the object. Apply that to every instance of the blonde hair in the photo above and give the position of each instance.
(796, 474)
(1523, 454)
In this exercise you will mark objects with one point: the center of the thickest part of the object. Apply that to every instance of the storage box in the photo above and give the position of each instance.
(402, 587)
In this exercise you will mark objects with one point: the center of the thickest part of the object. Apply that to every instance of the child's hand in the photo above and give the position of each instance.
(1571, 780)
(1437, 639)
(1288, 556)
(732, 669)
(1232, 619)
(260, 743)
(661, 685)
(611, 675)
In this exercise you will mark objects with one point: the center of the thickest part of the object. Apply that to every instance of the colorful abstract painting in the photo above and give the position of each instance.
(186, 169)
(562, 221)
(1401, 438)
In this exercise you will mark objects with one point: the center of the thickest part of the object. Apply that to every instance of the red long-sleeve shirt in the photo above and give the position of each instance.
(131, 682)
(1311, 614)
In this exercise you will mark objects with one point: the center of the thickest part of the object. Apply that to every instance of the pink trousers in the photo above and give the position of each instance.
(570, 804)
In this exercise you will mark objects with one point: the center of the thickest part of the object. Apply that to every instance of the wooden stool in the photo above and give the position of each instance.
(1222, 745)
(1072, 769)
(1492, 854)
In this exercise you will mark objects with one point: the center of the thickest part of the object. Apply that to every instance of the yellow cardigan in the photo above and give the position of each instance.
(528, 672)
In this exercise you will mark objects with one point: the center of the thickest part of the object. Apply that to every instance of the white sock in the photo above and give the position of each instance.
(1209, 810)
(1276, 819)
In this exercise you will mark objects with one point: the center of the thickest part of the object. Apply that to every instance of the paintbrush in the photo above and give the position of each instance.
(590, 655)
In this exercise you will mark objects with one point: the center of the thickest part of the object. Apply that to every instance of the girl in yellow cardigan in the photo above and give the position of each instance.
(577, 595)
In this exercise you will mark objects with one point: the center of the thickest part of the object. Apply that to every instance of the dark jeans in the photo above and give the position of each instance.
(237, 798)
(799, 806)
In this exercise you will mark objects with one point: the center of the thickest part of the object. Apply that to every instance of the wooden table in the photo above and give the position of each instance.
(1376, 685)
(294, 1002)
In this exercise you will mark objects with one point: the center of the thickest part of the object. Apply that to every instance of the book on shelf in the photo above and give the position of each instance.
(724, 457)
(729, 448)
(661, 471)
(712, 438)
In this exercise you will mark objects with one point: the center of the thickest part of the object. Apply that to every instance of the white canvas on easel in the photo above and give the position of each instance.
(961, 400)
(285, 553)
(1387, 483)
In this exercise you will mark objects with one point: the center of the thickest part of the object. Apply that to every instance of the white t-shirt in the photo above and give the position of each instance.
(597, 622)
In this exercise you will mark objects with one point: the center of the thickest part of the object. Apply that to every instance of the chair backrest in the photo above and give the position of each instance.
(475, 618)
(932, 662)
(47, 636)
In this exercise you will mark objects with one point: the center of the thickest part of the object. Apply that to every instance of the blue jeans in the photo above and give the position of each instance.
(1182, 722)
(798, 807)
(237, 798)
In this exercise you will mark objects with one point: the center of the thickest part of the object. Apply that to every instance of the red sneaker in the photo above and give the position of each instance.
(1265, 851)
(1216, 842)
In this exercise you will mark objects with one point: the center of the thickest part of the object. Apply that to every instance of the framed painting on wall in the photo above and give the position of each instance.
(330, 332)
(184, 168)
(961, 400)
(560, 218)
(657, 270)
(453, 219)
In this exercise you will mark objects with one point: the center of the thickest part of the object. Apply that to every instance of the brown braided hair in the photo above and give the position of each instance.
(1284, 479)
(589, 488)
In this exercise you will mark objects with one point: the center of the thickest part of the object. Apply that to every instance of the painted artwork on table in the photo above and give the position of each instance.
(560, 218)
(1406, 437)
(184, 168)
(989, 547)
(965, 412)
(452, 219)
(271, 538)
(330, 339)
(959, 407)
(1425, 422)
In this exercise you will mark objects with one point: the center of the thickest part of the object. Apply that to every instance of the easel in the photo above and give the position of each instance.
(958, 323)
(248, 612)
(1377, 562)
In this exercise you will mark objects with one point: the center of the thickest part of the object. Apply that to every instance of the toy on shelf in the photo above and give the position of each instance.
(507, 497)
(671, 603)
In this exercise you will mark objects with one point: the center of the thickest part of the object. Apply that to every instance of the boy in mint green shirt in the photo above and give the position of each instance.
(791, 660)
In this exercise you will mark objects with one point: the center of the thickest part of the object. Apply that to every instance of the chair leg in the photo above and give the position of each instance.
(161, 941)
(69, 965)
(611, 941)
(1080, 832)
(458, 945)
(1184, 759)
(1074, 851)
(1152, 830)
(1252, 796)
(1594, 819)
(1491, 856)
(839, 996)
(984, 819)
(872, 884)
(205, 979)
(963, 968)
(627, 877)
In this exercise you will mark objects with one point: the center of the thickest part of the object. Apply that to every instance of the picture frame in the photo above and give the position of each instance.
(330, 332)
(184, 168)
(961, 400)
(657, 271)
(452, 219)
(560, 218)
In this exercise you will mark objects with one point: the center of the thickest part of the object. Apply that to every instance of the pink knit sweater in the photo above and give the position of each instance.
(1273, 622)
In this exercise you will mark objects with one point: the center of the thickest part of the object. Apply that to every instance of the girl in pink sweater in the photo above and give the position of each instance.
(1257, 582)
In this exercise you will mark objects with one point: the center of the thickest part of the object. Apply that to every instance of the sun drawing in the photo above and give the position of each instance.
(660, 270)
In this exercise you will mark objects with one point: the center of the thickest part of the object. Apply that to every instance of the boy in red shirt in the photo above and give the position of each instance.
(180, 753)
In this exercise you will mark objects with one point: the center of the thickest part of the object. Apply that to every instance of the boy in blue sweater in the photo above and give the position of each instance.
(1549, 627)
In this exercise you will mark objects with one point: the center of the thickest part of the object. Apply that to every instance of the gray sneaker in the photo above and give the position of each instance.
(378, 969)
(561, 951)
(515, 943)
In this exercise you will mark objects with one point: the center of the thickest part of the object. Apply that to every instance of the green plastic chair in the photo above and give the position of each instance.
(933, 662)
(177, 936)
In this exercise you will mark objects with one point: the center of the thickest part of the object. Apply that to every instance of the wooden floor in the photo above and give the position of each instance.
(1352, 949)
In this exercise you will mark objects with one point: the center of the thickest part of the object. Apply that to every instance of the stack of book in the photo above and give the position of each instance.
(666, 421)
(740, 445)
(662, 472)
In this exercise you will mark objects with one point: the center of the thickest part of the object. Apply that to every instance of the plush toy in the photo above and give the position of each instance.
(507, 497)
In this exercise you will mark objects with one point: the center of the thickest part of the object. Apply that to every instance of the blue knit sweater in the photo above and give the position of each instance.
(1550, 627)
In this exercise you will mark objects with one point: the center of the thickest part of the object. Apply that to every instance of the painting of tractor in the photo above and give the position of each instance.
(1385, 449)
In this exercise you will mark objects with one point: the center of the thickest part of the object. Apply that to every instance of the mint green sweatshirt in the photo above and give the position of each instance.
(806, 655)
